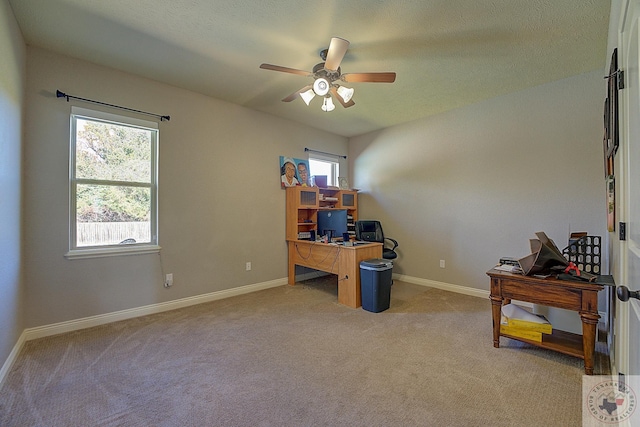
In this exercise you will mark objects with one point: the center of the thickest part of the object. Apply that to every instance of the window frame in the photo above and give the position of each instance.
(80, 252)
(335, 167)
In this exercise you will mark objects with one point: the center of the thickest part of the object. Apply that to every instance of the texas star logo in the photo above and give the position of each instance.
(611, 401)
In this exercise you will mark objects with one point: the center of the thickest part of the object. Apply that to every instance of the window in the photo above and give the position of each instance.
(113, 184)
(330, 168)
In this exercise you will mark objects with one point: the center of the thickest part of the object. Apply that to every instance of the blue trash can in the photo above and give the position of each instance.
(375, 284)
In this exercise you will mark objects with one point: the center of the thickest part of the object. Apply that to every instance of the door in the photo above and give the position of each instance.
(629, 312)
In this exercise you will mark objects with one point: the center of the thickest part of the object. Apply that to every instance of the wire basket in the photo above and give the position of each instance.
(585, 253)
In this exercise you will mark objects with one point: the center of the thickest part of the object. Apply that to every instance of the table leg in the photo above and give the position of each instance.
(496, 307)
(589, 322)
(348, 279)
(292, 265)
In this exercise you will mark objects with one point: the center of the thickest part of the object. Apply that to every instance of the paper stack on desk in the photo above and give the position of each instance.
(508, 268)
(518, 322)
(509, 264)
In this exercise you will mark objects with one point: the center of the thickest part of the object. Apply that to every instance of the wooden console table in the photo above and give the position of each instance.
(571, 295)
(335, 259)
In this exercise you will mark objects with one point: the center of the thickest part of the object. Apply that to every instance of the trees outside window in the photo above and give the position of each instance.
(113, 181)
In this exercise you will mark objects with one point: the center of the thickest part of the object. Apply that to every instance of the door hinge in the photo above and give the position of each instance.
(623, 231)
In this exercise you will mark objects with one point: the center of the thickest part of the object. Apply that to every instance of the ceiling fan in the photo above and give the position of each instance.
(327, 77)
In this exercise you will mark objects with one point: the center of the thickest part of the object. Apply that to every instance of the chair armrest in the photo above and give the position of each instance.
(394, 241)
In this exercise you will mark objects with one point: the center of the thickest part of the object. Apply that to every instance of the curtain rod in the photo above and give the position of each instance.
(322, 152)
(64, 95)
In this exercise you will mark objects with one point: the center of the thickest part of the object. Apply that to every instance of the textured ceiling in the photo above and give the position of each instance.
(446, 53)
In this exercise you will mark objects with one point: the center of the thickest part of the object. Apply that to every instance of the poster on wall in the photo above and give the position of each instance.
(611, 107)
(611, 203)
(294, 172)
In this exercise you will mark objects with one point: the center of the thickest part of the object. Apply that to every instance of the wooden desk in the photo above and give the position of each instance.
(571, 295)
(335, 259)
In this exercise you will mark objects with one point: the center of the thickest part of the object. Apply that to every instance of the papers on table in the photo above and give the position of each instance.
(509, 268)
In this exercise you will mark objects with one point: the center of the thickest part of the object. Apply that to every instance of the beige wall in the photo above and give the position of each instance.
(220, 202)
(467, 186)
(474, 184)
(12, 69)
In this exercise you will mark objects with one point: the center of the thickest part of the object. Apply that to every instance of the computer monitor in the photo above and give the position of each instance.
(334, 220)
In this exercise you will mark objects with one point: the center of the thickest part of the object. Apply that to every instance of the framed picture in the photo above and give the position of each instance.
(608, 160)
(606, 128)
(294, 172)
(611, 203)
(343, 183)
(611, 106)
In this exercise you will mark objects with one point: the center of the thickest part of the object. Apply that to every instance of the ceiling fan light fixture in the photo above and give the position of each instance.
(328, 105)
(327, 74)
(321, 86)
(345, 93)
(307, 96)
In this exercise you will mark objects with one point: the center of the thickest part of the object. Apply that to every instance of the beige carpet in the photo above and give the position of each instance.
(292, 356)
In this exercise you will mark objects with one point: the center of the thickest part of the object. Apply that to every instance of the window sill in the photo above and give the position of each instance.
(112, 251)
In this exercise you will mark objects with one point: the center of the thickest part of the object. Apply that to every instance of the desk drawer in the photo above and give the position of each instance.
(553, 296)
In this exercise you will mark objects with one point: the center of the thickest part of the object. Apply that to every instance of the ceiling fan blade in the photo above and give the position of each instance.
(284, 69)
(295, 94)
(337, 48)
(369, 77)
(337, 96)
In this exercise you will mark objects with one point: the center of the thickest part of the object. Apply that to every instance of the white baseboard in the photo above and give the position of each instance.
(474, 292)
(444, 286)
(8, 364)
(102, 319)
(604, 320)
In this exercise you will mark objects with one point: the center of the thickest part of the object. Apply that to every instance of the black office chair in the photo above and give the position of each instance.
(371, 231)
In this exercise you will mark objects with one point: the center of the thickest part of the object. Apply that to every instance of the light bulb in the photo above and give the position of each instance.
(321, 86)
(345, 93)
(307, 96)
(328, 104)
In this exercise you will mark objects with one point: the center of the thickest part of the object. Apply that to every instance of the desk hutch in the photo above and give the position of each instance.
(303, 204)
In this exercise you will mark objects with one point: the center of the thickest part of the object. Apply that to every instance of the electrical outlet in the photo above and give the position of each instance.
(248, 266)
(441, 263)
(168, 280)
